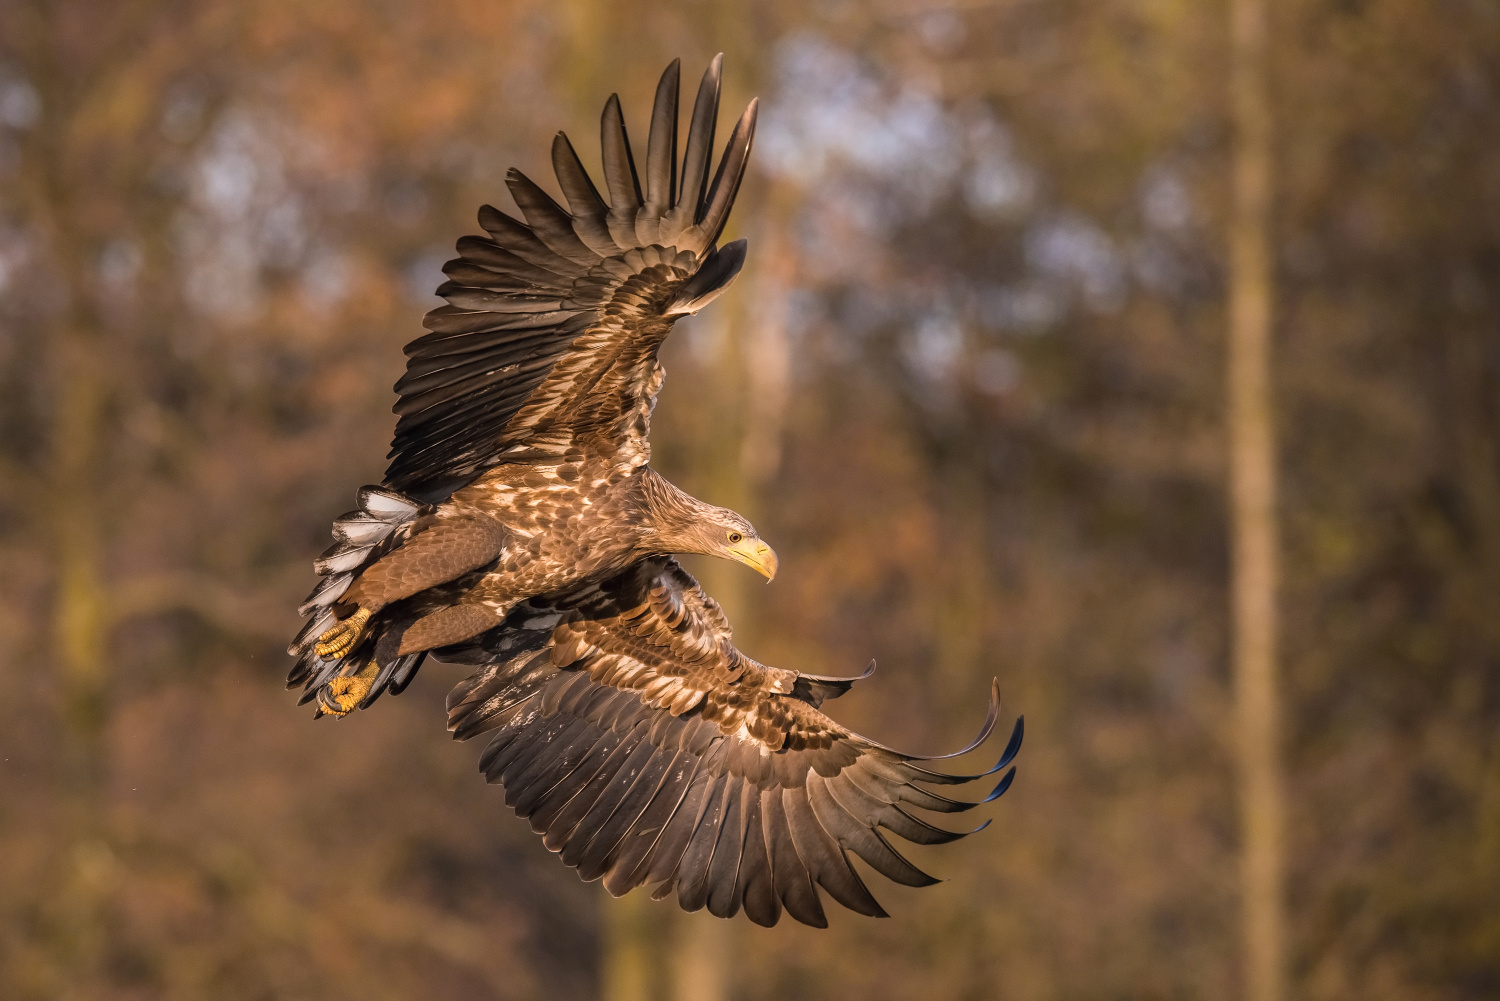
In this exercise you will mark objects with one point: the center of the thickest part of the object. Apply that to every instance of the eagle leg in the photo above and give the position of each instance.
(453, 624)
(340, 639)
(341, 695)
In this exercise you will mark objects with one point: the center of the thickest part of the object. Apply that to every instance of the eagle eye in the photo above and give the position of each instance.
(734, 537)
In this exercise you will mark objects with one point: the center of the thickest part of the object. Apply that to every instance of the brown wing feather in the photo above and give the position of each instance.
(646, 749)
(548, 341)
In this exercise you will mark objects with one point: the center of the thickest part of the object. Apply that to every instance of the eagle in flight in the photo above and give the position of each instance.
(521, 531)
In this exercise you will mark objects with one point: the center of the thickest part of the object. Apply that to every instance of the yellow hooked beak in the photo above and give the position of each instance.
(756, 555)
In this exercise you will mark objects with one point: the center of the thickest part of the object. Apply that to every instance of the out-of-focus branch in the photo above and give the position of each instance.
(16, 481)
(223, 605)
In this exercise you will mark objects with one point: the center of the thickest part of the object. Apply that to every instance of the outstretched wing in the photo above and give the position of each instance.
(548, 342)
(646, 749)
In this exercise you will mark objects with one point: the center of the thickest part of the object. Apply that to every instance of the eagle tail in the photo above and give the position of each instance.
(382, 520)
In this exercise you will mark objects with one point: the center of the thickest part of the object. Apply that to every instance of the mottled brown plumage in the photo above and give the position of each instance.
(521, 530)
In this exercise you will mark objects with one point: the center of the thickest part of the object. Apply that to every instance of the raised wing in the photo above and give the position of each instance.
(548, 342)
(646, 749)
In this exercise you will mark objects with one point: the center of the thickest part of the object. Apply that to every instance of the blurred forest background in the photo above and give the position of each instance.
(983, 323)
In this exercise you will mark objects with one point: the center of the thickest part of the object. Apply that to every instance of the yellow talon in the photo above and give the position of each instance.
(340, 639)
(341, 695)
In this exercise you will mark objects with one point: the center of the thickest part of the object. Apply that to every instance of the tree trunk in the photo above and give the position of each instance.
(701, 950)
(80, 628)
(79, 616)
(627, 948)
(1253, 509)
(628, 955)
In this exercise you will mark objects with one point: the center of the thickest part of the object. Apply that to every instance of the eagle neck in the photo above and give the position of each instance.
(670, 517)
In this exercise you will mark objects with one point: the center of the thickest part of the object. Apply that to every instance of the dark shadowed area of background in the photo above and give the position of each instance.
(970, 387)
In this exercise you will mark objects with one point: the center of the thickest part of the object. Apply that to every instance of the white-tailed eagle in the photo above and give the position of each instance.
(520, 530)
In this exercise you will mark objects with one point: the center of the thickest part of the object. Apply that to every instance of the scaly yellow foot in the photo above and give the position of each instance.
(341, 695)
(341, 638)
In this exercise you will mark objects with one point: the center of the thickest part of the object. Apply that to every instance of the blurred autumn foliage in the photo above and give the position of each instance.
(970, 387)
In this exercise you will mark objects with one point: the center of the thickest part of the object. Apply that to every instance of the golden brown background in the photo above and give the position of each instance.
(970, 387)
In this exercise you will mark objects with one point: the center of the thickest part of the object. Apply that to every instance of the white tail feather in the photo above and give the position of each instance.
(342, 561)
(387, 505)
(361, 531)
(356, 535)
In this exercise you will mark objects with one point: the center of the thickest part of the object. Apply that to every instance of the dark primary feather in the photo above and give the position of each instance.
(661, 156)
(548, 339)
(647, 750)
(689, 207)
